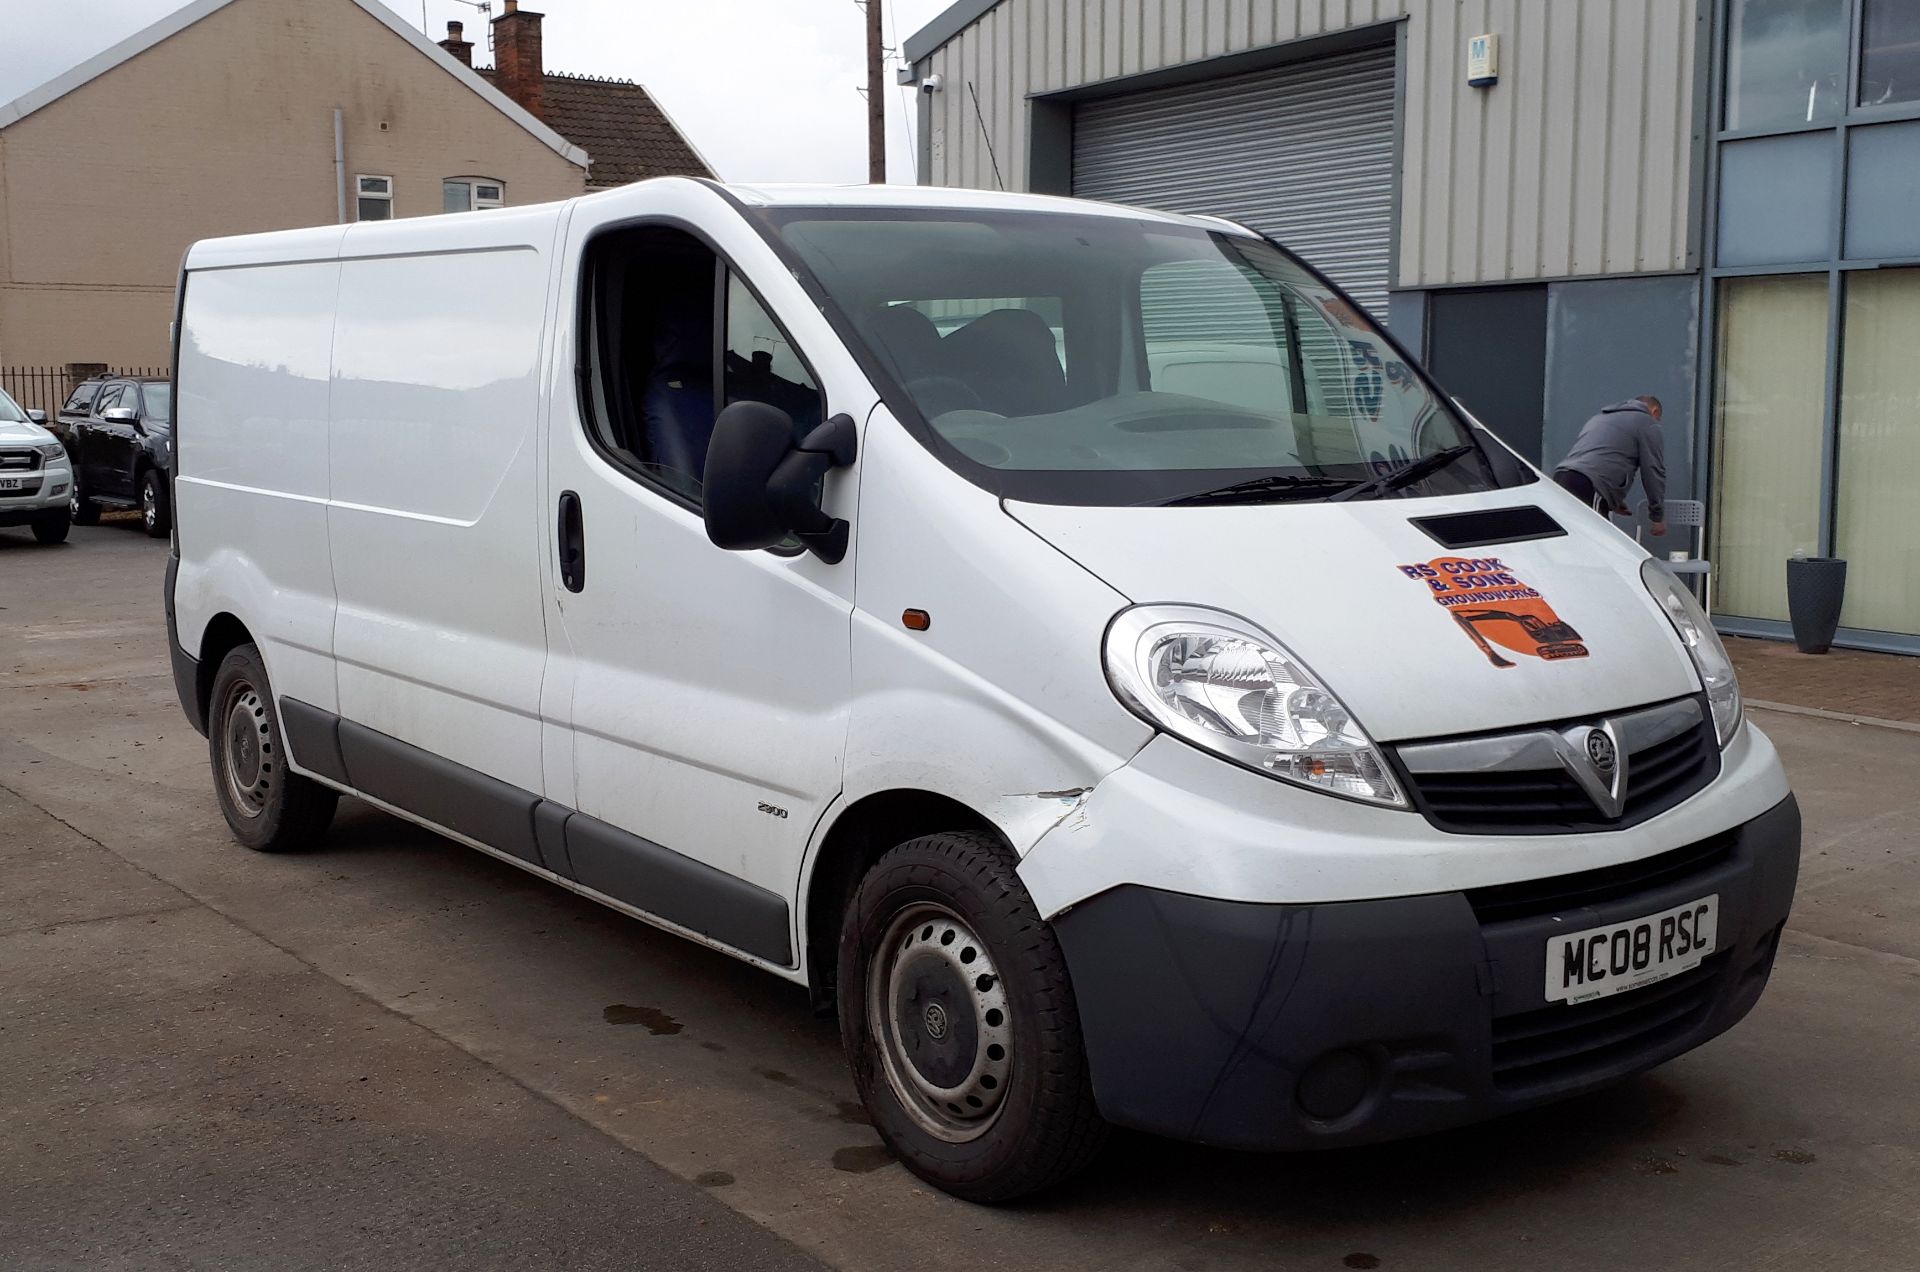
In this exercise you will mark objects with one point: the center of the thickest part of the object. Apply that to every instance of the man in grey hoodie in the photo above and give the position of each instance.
(1623, 439)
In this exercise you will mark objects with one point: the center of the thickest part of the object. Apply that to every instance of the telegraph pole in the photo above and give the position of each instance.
(876, 98)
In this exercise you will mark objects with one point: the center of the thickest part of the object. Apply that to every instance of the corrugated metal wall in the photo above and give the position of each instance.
(1580, 161)
(1302, 152)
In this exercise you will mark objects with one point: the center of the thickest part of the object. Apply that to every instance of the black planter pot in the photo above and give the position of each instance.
(1815, 588)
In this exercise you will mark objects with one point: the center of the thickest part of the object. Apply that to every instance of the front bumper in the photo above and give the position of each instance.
(56, 487)
(1266, 1026)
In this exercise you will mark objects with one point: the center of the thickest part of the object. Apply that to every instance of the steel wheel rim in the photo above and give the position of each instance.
(933, 988)
(248, 761)
(149, 505)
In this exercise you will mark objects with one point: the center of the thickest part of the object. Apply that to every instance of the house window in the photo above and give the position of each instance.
(376, 198)
(471, 194)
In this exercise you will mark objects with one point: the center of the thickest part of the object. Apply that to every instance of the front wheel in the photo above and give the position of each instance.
(81, 510)
(51, 527)
(959, 1021)
(155, 515)
(268, 806)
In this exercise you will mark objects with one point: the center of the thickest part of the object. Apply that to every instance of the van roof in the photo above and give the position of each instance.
(453, 231)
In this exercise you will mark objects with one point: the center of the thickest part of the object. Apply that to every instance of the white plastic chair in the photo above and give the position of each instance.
(1692, 514)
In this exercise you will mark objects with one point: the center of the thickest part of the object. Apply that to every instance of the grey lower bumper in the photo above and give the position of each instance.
(1282, 1027)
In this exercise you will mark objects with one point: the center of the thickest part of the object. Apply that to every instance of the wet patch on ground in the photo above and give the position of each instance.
(656, 1021)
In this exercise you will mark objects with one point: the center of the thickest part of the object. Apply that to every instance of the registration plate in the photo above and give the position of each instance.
(1623, 956)
(12, 483)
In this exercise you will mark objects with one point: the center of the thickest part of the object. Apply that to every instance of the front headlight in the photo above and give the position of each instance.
(1703, 646)
(1224, 685)
(52, 450)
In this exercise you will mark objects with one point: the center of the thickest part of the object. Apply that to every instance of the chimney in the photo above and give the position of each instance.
(518, 71)
(461, 48)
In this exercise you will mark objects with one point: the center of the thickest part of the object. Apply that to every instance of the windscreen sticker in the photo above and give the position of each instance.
(1494, 606)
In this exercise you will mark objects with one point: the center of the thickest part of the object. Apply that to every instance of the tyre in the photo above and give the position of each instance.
(51, 527)
(156, 513)
(81, 510)
(268, 806)
(959, 1021)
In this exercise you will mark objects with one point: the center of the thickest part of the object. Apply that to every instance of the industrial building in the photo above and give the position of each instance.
(1556, 203)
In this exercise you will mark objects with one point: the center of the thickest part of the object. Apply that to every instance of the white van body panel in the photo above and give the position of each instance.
(252, 480)
(436, 510)
(705, 693)
(1268, 841)
(1326, 580)
(970, 708)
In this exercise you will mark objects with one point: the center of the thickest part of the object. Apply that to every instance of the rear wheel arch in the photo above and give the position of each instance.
(224, 634)
(862, 833)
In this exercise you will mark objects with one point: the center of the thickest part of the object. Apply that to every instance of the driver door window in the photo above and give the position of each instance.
(675, 336)
(759, 363)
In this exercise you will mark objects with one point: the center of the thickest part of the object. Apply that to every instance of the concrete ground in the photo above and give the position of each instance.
(396, 1052)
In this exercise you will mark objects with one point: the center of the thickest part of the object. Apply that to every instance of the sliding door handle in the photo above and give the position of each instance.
(573, 543)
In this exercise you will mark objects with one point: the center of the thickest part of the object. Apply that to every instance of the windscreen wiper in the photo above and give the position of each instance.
(1259, 490)
(1386, 483)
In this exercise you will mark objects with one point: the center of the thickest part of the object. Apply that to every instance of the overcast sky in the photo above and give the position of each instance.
(767, 89)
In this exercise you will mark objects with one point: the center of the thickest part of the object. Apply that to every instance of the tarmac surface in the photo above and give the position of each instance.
(399, 1053)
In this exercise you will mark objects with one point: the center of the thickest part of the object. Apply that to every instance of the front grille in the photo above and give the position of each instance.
(18, 461)
(1561, 1044)
(1549, 800)
(1505, 902)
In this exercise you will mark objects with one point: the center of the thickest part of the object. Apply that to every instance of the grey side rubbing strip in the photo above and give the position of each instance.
(619, 865)
(679, 889)
(313, 736)
(550, 834)
(445, 793)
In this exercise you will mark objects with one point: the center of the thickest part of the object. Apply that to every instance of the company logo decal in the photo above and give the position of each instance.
(1494, 606)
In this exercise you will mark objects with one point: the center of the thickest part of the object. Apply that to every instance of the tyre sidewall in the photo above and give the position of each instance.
(243, 667)
(978, 1169)
(162, 515)
(52, 529)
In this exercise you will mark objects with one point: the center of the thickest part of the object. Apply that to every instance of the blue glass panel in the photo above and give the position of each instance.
(1776, 199)
(1883, 191)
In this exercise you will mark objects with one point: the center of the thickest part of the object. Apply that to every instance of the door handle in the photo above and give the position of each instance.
(573, 543)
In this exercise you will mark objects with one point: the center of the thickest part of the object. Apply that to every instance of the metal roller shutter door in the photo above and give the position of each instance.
(1303, 153)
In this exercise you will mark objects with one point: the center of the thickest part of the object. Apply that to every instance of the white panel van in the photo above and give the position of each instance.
(1072, 641)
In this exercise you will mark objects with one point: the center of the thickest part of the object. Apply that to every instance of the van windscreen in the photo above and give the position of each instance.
(1098, 359)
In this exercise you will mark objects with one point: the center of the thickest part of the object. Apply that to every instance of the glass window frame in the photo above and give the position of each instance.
(362, 195)
(1852, 111)
(474, 201)
(1835, 267)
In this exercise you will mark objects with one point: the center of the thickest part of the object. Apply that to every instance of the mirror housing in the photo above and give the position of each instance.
(760, 486)
(36, 415)
(122, 415)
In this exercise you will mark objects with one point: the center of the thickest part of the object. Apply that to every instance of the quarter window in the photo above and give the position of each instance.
(376, 198)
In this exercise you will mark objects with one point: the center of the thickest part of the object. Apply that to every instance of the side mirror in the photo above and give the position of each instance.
(122, 415)
(36, 415)
(760, 486)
